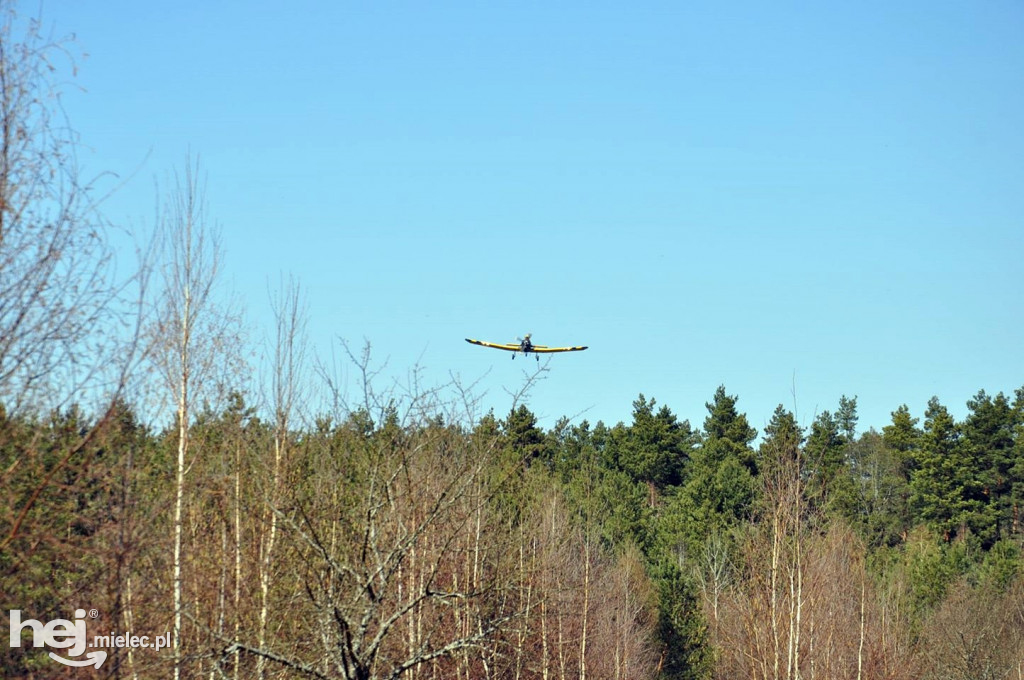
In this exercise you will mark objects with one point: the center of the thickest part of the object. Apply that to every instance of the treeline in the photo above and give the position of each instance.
(407, 543)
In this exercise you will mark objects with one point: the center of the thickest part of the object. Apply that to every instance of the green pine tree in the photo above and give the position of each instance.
(830, 485)
(1016, 493)
(720, 487)
(988, 439)
(946, 484)
(904, 437)
(681, 629)
(656, 448)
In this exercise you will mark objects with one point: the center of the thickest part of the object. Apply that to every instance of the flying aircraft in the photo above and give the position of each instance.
(525, 346)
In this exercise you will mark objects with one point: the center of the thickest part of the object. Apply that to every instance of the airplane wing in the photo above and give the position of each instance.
(541, 348)
(509, 348)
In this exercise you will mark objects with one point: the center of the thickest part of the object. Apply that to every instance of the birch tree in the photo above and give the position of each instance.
(190, 337)
(286, 391)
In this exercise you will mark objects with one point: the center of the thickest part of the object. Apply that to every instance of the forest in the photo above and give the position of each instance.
(166, 477)
(404, 542)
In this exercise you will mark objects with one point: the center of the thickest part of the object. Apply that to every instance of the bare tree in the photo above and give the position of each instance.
(58, 289)
(713, 573)
(624, 625)
(68, 321)
(70, 342)
(976, 634)
(381, 583)
(286, 391)
(192, 339)
(404, 565)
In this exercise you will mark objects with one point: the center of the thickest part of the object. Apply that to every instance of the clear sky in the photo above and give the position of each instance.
(796, 200)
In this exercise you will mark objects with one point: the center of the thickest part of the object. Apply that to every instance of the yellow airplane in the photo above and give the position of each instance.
(525, 346)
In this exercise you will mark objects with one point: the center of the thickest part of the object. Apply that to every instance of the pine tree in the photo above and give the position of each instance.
(830, 486)
(522, 435)
(720, 487)
(846, 417)
(946, 485)
(783, 439)
(1016, 500)
(904, 437)
(682, 629)
(729, 430)
(655, 449)
(988, 440)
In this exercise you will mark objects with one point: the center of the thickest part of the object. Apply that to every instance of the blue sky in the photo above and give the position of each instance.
(796, 200)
